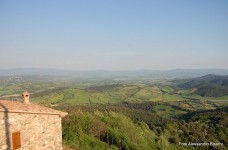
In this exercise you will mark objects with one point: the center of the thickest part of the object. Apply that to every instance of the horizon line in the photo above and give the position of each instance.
(62, 69)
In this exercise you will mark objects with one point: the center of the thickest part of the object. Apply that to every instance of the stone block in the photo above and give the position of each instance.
(4, 147)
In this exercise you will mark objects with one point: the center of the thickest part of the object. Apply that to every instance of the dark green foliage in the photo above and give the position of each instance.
(209, 85)
(135, 115)
(147, 106)
(212, 91)
(80, 131)
(129, 126)
(215, 122)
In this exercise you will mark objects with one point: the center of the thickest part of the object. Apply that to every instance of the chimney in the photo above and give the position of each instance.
(25, 97)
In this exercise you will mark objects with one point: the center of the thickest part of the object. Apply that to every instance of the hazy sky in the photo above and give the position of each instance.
(113, 34)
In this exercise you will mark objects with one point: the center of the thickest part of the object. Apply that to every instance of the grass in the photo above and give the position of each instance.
(172, 97)
(196, 96)
(148, 94)
(167, 111)
(167, 89)
(185, 92)
(92, 91)
(116, 94)
(122, 93)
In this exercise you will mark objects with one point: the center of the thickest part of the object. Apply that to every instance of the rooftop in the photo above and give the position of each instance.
(20, 107)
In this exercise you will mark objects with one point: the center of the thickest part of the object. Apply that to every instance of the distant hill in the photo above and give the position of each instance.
(125, 74)
(208, 85)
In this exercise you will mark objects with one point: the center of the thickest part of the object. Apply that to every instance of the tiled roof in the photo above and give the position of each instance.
(20, 107)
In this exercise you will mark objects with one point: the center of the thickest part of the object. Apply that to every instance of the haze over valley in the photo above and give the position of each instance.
(132, 75)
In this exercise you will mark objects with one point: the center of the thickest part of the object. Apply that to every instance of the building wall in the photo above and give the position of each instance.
(38, 131)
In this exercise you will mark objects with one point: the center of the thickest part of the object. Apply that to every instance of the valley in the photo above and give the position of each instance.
(144, 113)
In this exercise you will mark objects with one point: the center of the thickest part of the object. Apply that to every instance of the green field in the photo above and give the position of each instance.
(54, 91)
(106, 114)
(115, 94)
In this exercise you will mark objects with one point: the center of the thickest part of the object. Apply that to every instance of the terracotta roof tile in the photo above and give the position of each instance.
(20, 107)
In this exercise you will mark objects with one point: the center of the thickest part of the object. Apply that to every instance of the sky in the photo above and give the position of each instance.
(114, 34)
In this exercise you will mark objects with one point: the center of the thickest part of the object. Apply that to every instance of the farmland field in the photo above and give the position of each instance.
(111, 114)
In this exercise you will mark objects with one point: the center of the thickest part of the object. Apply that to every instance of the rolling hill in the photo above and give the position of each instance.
(208, 85)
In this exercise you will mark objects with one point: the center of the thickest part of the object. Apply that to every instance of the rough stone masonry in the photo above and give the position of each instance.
(39, 127)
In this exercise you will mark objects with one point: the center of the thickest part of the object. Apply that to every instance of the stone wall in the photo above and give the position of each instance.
(38, 131)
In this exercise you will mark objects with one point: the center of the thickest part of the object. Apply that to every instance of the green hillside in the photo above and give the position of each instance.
(209, 85)
(116, 93)
(129, 115)
(139, 126)
(103, 94)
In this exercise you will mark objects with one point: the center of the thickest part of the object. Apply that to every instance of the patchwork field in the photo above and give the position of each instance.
(110, 114)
